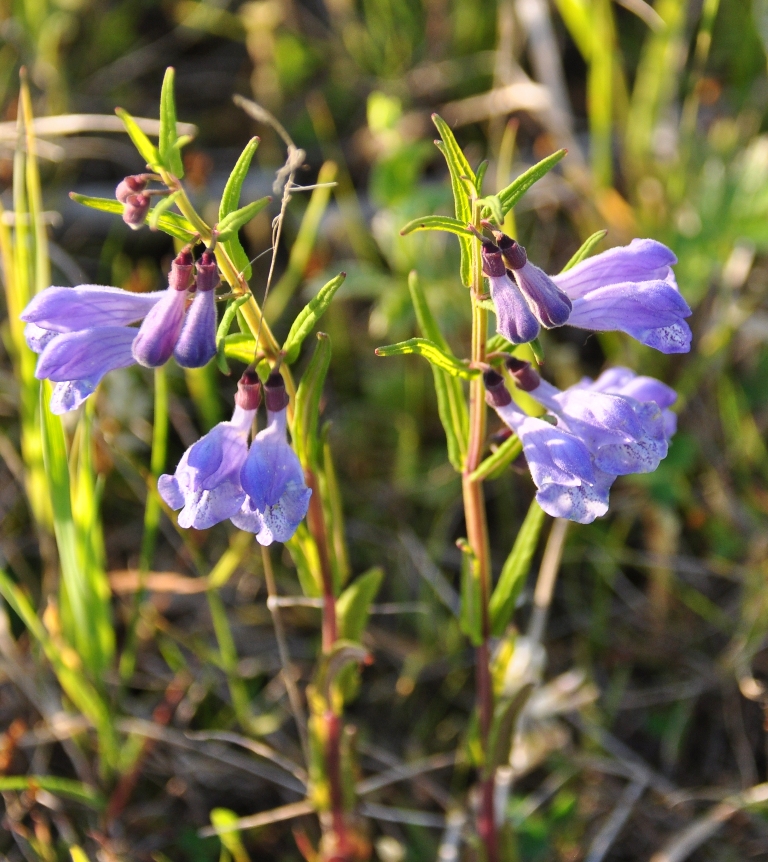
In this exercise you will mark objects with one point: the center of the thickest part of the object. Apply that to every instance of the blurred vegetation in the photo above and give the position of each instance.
(654, 706)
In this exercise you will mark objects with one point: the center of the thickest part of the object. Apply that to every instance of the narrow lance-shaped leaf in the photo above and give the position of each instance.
(307, 408)
(502, 734)
(353, 605)
(74, 599)
(229, 203)
(585, 250)
(240, 346)
(146, 148)
(160, 208)
(309, 316)
(232, 223)
(494, 464)
(515, 569)
(436, 222)
(451, 405)
(170, 155)
(482, 169)
(171, 223)
(66, 787)
(516, 189)
(461, 175)
(432, 353)
(221, 333)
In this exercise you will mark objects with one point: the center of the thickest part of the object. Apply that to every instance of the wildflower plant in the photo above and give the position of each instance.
(581, 440)
(276, 484)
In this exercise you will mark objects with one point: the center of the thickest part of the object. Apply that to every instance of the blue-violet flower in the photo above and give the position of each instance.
(206, 485)
(272, 476)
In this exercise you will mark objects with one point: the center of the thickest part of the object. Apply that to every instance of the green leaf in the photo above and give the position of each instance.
(481, 171)
(307, 409)
(502, 734)
(451, 405)
(353, 605)
(232, 223)
(471, 613)
(306, 558)
(171, 223)
(309, 316)
(146, 148)
(585, 250)
(432, 353)
(168, 138)
(77, 688)
(436, 222)
(498, 344)
(515, 190)
(58, 786)
(461, 174)
(230, 201)
(515, 569)
(74, 598)
(496, 463)
(492, 204)
(231, 196)
(240, 346)
(162, 206)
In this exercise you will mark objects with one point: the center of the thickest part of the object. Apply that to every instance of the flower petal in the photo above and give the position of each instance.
(69, 395)
(38, 338)
(86, 354)
(545, 299)
(197, 343)
(653, 312)
(581, 504)
(641, 260)
(514, 319)
(160, 330)
(66, 309)
(203, 509)
(271, 465)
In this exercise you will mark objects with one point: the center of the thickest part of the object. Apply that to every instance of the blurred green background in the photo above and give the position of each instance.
(656, 638)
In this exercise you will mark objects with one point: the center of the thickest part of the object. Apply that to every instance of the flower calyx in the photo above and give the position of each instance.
(275, 396)
(248, 395)
(496, 392)
(526, 378)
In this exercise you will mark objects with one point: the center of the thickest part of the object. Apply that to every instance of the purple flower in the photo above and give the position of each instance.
(568, 483)
(206, 485)
(545, 299)
(631, 289)
(76, 361)
(514, 319)
(272, 476)
(161, 328)
(196, 345)
(83, 332)
(623, 434)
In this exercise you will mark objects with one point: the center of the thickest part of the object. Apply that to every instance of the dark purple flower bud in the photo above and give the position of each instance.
(496, 392)
(248, 396)
(135, 209)
(197, 343)
(525, 377)
(513, 254)
(180, 276)
(131, 186)
(493, 265)
(275, 396)
(207, 272)
(161, 328)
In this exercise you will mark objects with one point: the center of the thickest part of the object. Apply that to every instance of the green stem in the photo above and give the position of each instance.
(477, 535)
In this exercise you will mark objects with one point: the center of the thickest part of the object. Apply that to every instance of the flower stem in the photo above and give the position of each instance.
(477, 535)
(340, 843)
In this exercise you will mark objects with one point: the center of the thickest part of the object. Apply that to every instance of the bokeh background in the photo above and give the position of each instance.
(655, 643)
